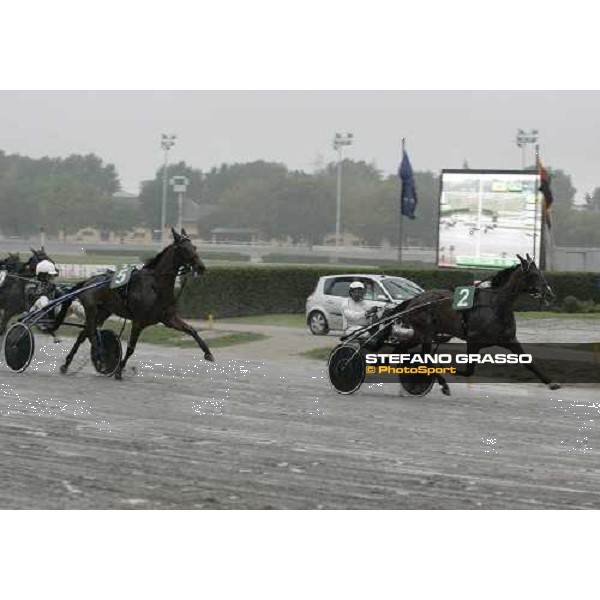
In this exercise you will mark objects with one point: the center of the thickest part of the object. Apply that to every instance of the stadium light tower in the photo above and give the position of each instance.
(524, 138)
(166, 143)
(339, 141)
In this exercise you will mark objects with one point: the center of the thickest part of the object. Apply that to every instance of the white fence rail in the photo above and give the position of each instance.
(71, 271)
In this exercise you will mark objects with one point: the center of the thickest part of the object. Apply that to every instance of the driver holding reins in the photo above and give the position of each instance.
(355, 311)
(45, 289)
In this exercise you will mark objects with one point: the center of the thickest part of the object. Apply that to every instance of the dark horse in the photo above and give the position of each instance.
(491, 321)
(146, 300)
(13, 295)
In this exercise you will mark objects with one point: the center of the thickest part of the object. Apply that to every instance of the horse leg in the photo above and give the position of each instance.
(175, 322)
(80, 339)
(516, 347)
(472, 348)
(136, 329)
(426, 347)
(4, 322)
(93, 319)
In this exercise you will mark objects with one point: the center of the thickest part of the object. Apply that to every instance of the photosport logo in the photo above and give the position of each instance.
(421, 364)
(576, 363)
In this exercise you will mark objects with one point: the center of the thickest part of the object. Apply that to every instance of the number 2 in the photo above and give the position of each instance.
(465, 295)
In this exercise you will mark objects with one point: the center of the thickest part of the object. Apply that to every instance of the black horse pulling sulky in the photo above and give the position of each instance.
(147, 299)
(430, 318)
(491, 321)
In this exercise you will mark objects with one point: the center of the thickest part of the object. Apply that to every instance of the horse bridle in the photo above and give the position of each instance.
(545, 287)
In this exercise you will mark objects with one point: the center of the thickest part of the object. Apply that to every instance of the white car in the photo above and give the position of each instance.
(324, 305)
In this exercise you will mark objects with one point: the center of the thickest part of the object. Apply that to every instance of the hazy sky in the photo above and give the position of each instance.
(442, 129)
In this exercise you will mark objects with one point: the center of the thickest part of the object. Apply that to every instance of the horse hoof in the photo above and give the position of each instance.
(63, 369)
(119, 376)
(446, 390)
(209, 357)
(554, 386)
(57, 341)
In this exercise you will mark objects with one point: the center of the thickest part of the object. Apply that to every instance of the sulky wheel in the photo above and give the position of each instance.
(110, 347)
(346, 368)
(18, 347)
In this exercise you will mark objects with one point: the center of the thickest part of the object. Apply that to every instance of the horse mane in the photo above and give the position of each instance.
(501, 277)
(153, 262)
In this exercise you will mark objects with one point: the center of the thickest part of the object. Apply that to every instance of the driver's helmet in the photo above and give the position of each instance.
(357, 291)
(45, 267)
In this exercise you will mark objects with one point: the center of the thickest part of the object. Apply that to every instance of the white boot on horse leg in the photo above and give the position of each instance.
(77, 311)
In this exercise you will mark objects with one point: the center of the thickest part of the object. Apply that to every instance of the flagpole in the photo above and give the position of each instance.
(401, 216)
(541, 259)
(547, 241)
(552, 252)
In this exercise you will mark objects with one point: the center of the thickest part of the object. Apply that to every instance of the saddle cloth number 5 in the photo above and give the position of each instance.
(122, 276)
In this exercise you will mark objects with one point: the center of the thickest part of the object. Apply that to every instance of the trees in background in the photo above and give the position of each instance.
(59, 194)
(152, 192)
(77, 191)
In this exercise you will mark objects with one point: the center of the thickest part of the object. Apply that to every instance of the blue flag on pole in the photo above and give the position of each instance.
(408, 196)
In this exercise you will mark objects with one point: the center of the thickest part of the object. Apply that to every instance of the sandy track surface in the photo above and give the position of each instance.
(261, 428)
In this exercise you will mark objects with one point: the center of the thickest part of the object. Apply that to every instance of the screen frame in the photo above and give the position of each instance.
(475, 172)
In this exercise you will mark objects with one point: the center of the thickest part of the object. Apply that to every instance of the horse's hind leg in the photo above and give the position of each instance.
(426, 347)
(136, 329)
(4, 322)
(472, 348)
(515, 346)
(175, 322)
(80, 339)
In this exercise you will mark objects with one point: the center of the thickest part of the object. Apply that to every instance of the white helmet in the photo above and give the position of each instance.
(357, 285)
(46, 266)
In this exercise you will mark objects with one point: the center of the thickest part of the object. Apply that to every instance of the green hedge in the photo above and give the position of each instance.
(253, 290)
(114, 252)
(239, 291)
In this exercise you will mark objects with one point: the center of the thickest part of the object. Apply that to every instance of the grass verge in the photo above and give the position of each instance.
(162, 336)
(556, 315)
(321, 354)
(279, 320)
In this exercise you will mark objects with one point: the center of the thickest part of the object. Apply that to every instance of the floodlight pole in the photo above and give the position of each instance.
(166, 143)
(339, 141)
(180, 211)
(524, 138)
(180, 183)
(479, 211)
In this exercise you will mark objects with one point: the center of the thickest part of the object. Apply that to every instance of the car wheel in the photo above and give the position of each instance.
(317, 323)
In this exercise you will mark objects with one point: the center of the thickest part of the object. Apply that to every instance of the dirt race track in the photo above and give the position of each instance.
(261, 428)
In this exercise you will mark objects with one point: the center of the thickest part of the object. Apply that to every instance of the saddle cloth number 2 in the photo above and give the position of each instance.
(463, 297)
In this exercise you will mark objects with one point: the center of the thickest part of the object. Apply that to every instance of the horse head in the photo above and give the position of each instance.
(37, 256)
(533, 281)
(186, 253)
(12, 263)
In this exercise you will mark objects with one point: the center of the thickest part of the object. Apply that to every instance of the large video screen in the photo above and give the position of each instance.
(487, 217)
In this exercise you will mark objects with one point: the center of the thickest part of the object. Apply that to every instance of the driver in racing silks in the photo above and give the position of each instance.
(355, 311)
(356, 314)
(45, 289)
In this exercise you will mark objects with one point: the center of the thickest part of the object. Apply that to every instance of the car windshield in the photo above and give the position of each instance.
(401, 288)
